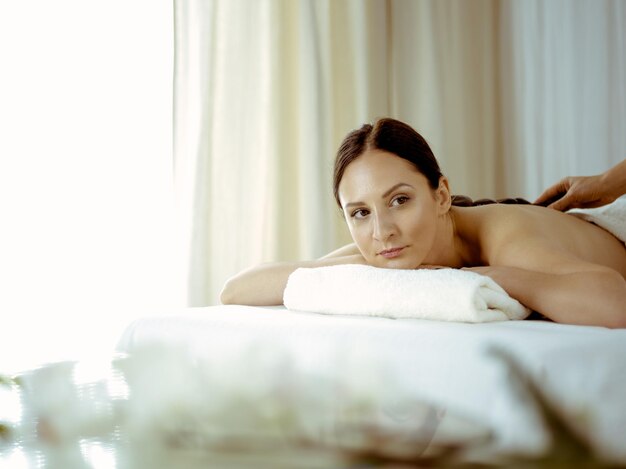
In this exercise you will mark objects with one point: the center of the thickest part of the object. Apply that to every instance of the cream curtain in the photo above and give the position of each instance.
(264, 92)
(444, 58)
(511, 95)
(563, 90)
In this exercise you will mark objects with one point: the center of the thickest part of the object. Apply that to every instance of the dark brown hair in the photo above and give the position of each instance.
(402, 140)
(394, 137)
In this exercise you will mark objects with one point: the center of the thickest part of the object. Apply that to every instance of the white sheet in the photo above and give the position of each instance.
(581, 369)
(611, 217)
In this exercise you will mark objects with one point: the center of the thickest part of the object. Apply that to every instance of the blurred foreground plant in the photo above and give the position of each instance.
(269, 408)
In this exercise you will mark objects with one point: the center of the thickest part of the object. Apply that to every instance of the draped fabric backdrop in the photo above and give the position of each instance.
(512, 96)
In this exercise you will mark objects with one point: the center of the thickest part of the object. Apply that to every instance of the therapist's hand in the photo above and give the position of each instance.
(576, 192)
(586, 191)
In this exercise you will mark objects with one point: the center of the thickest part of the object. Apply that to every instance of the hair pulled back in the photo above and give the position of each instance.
(392, 136)
(402, 140)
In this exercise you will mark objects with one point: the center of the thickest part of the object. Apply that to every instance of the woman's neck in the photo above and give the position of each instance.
(454, 244)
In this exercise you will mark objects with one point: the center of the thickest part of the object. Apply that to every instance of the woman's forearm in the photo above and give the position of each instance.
(264, 285)
(584, 298)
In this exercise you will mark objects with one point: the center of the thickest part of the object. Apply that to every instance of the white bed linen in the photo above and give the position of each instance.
(581, 369)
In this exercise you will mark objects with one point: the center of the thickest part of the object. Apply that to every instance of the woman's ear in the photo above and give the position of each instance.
(442, 196)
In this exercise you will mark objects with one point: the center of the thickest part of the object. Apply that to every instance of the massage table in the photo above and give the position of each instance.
(406, 388)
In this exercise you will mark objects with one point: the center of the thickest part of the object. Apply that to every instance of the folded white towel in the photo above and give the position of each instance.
(611, 217)
(443, 294)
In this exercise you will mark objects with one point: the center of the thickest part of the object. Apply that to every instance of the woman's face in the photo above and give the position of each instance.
(391, 211)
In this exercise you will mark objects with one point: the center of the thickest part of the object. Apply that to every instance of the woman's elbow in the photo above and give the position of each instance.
(228, 295)
(240, 291)
(616, 321)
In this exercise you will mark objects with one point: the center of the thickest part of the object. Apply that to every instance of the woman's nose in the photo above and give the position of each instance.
(384, 228)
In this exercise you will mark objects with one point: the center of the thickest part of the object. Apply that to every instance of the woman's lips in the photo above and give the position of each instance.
(391, 253)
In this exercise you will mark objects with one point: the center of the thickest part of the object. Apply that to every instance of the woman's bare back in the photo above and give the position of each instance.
(520, 228)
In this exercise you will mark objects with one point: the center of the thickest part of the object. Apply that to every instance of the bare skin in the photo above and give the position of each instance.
(567, 269)
(586, 191)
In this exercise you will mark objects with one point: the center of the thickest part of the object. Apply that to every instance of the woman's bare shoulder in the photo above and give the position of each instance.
(529, 222)
(498, 222)
(505, 230)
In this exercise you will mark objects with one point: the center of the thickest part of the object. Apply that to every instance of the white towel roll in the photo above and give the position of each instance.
(443, 294)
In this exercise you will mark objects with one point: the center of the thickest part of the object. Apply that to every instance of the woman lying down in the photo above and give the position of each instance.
(399, 211)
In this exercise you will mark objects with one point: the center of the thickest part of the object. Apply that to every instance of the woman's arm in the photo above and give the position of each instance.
(594, 295)
(265, 284)
(545, 276)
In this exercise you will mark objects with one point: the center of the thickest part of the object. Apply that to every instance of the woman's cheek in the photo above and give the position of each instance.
(366, 249)
(358, 236)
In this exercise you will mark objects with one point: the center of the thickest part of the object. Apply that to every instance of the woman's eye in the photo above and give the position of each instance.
(359, 213)
(399, 200)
